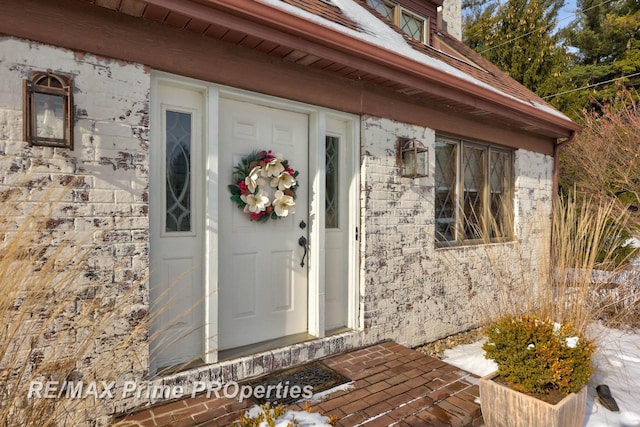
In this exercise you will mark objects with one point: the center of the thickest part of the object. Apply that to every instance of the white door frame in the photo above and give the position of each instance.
(317, 133)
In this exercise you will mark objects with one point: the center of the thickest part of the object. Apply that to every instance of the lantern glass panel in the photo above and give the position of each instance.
(49, 120)
(413, 159)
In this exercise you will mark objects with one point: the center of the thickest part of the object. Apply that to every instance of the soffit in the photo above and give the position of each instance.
(450, 52)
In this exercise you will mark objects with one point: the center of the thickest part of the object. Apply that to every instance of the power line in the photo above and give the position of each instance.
(591, 85)
(543, 28)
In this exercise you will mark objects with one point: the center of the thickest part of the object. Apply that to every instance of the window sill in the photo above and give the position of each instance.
(475, 243)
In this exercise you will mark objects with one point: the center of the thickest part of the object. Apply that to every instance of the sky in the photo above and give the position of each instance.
(567, 13)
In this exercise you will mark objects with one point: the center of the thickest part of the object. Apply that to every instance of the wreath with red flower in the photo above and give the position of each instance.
(264, 186)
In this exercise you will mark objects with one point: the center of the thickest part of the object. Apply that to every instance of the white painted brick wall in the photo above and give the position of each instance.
(106, 212)
(412, 292)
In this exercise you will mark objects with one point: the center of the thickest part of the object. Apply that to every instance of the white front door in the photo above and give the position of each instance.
(176, 226)
(262, 278)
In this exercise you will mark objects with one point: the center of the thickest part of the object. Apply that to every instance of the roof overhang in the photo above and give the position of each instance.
(339, 52)
(264, 21)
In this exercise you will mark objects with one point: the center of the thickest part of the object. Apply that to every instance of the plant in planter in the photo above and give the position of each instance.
(543, 368)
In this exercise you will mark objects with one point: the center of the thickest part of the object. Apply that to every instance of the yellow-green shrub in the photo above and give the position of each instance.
(269, 414)
(538, 356)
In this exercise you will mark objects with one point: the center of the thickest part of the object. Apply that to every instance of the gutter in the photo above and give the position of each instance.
(554, 196)
(556, 162)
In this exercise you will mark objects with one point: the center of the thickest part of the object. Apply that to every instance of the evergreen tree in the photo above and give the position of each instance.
(606, 43)
(519, 37)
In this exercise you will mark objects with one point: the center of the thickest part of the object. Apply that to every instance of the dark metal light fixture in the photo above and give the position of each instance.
(48, 110)
(412, 158)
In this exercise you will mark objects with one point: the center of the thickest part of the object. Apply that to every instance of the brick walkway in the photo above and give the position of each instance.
(392, 385)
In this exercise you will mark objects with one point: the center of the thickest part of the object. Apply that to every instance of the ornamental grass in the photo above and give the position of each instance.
(560, 269)
(548, 288)
(58, 323)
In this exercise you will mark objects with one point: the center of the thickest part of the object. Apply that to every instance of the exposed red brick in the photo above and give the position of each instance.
(382, 421)
(355, 406)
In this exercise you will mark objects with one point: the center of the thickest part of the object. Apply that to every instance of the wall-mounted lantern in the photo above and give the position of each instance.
(412, 158)
(48, 110)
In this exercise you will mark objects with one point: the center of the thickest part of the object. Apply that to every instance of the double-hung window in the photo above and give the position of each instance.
(414, 25)
(474, 192)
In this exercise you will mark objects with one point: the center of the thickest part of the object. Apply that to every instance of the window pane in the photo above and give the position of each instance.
(332, 181)
(484, 175)
(446, 159)
(383, 8)
(500, 197)
(412, 25)
(473, 167)
(178, 171)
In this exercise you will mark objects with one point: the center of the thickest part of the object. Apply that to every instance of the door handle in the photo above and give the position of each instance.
(302, 241)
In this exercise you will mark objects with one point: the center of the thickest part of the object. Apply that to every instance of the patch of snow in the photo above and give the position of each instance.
(321, 395)
(549, 110)
(470, 357)
(617, 364)
(572, 342)
(254, 411)
(297, 418)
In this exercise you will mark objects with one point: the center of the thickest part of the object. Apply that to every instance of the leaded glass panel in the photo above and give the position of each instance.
(446, 160)
(385, 9)
(332, 189)
(412, 25)
(473, 164)
(500, 197)
(178, 171)
(483, 174)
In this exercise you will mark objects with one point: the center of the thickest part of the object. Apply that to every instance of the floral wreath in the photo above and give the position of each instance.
(256, 177)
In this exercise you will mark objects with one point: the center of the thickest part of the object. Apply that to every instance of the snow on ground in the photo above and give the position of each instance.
(303, 418)
(470, 357)
(321, 395)
(616, 362)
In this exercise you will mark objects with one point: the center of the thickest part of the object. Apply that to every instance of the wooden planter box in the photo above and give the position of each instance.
(504, 407)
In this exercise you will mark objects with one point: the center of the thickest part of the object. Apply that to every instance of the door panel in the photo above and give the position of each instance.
(176, 227)
(336, 225)
(283, 281)
(260, 262)
(246, 289)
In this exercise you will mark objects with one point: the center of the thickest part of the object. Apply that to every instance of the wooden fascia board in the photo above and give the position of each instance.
(265, 21)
